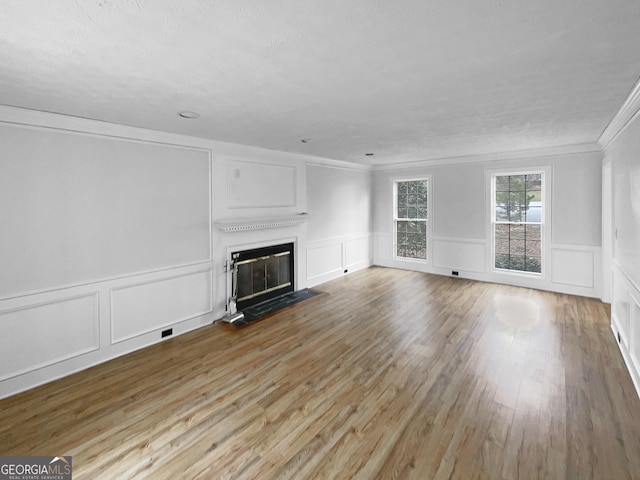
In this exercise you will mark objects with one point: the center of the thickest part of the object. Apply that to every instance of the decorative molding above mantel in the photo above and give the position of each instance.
(245, 224)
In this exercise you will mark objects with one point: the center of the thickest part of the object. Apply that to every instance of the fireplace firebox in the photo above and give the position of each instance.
(263, 273)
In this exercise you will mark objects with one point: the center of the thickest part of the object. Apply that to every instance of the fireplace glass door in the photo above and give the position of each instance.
(263, 274)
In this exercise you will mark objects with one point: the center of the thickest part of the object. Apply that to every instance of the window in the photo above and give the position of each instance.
(517, 218)
(410, 218)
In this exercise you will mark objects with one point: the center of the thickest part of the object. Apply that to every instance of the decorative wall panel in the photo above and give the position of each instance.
(38, 335)
(142, 308)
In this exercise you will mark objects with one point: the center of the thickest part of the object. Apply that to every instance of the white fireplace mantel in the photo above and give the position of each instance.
(245, 224)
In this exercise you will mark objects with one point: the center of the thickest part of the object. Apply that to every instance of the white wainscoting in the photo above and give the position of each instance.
(634, 334)
(328, 259)
(46, 332)
(144, 307)
(324, 262)
(573, 266)
(357, 252)
(465, 255)
(49, 335)
(625, 321)
(459, 254)
(572, 269)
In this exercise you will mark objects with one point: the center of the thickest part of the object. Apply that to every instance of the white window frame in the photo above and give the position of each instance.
(545, 216)
(394, 192)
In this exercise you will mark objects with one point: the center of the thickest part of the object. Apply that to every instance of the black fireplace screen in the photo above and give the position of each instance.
(263, 273)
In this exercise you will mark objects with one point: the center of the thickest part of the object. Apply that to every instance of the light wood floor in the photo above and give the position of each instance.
(388, 374)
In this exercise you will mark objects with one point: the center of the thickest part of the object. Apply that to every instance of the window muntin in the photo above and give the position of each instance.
(411, 201)
(518, 222)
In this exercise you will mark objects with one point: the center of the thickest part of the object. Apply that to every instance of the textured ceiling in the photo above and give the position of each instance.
(407, 80)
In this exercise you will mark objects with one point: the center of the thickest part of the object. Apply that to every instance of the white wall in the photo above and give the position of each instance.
(106, 242)
(623, 155)
(79, 208)
(110, 234)
(461, 239)
(340, 221)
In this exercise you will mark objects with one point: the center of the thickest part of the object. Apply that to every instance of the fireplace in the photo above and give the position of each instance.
(262, 274)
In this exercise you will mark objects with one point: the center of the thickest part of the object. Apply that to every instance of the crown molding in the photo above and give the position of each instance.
(79, 125)
(340, 164)
(11, 115)
(40, 119)
(627, 112)
(496, 157)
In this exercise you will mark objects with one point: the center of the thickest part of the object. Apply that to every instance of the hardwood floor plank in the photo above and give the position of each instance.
(387, 374)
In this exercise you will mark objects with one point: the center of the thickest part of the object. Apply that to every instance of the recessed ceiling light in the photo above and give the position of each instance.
(369, 154)
(187, 114)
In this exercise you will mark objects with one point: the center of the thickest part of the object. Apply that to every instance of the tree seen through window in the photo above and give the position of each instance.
(518, 222)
